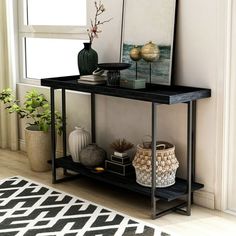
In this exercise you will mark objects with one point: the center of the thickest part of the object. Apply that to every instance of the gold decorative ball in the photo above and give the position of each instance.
(135, 53)
(150, 52)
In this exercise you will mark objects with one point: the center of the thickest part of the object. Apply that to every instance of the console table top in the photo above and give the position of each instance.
(152, 93)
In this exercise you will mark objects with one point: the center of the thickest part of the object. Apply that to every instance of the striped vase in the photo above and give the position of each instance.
(78, 139)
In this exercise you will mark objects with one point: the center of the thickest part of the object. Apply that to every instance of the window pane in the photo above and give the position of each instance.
(57, 12)
(51, 57)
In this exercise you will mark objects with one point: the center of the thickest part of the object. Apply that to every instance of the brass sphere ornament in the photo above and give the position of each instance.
(150, 52)
(135, 53)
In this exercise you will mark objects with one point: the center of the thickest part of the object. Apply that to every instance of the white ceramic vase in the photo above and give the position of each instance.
(78, 139)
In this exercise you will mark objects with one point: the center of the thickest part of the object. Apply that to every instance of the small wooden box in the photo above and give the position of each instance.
(121, 160)
(133, 83)
(118, 168)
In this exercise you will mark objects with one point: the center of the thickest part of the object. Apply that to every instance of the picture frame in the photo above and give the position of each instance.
(143, 22)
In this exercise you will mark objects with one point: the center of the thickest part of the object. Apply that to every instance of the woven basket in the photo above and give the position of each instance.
(166, 162)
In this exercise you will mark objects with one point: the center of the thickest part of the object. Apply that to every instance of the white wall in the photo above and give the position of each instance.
(196, 65)
(231, 161)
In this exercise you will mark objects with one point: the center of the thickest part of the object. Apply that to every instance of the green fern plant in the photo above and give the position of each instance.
(36, 108)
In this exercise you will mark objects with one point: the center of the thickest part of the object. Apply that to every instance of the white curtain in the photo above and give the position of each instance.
(8, 123)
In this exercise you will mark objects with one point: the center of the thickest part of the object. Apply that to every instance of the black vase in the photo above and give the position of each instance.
(87, 60)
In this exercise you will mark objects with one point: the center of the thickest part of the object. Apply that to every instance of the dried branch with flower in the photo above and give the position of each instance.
(94, 30)
(121, 145)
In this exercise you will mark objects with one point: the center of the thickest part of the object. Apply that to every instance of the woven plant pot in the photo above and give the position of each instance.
(166, 162)
(38, 148)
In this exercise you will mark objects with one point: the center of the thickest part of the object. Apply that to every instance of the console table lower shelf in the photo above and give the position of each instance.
(168, 194)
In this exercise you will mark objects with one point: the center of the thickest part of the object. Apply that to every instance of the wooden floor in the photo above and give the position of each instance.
(203, 222)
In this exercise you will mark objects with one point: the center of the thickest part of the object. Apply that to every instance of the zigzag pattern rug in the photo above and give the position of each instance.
(28, 208)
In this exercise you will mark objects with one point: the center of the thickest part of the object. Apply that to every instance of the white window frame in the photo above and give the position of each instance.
(43, 31)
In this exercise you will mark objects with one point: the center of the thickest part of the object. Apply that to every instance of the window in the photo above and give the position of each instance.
(57, 59)
(51, 33)
(56, 12)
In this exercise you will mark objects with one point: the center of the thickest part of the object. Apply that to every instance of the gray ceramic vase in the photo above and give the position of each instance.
(92, 156)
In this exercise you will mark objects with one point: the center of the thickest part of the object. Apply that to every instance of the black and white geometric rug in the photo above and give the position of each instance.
(28, 208)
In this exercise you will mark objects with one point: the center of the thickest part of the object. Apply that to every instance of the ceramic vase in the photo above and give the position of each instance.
(78, 139)
(92, 156)
(87, 60)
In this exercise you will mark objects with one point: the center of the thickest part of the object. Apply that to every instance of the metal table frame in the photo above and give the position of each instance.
(191, 140)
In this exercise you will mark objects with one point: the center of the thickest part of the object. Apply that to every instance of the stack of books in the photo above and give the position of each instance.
(119, 163)
(92, 79)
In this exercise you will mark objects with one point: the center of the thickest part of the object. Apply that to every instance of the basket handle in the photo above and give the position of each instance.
(161, 145)
(147, 141)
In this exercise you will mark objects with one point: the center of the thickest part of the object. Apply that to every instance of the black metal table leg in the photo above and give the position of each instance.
(64, 137)
(194, 117)
(190, 147)
(64, 125)
(93, 128)
(154, 138)
(53, 135)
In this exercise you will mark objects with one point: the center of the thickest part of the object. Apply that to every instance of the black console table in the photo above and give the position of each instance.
(156, 94)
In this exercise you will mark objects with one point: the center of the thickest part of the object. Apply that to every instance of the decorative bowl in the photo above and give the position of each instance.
(113, 72)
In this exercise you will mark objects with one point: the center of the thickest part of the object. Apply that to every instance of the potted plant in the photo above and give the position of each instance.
(120, 147)
(36, 110)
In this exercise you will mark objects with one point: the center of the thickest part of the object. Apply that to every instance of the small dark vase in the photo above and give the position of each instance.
(87, 60)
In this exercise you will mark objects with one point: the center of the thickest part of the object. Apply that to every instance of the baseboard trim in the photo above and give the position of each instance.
(231, 212)
(204, 199)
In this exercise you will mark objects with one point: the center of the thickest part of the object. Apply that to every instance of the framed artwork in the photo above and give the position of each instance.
(147, 21)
